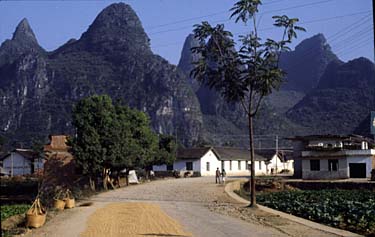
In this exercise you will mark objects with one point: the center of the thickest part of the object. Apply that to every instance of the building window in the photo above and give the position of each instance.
(260, 165)
(208, 166)
(189, 165)
(239, 165)
(169, 167)
(230, 165)
(333, 165)
(314, 165)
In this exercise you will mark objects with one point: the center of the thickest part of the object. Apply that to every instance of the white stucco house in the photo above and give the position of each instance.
(205, 160)
(280, 161)
(22, 162)
(333, 157)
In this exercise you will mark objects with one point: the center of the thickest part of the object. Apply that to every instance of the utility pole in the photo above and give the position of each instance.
(11, 157)
(277, 151)
(373, 28)
(373, 25)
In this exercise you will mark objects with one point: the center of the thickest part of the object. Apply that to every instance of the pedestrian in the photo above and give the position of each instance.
(217, 179)
(223, 174)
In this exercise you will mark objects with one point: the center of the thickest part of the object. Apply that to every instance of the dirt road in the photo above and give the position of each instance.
(175, 207)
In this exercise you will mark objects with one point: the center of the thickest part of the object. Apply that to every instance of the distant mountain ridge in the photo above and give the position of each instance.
(23, 41)
(112, 57)
(343, 99)
(306, 63)
(311, 67)
(38, 89)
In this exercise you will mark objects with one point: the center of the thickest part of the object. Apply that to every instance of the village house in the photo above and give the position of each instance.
(22, 162)
(205, 160)
(333, 157)
(280, 161)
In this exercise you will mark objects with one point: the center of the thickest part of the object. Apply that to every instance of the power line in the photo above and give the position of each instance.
(320, 20)
(203, 16)
(269, 28)
(226, 20)
(299, 6)
(359, 44)
(311, 51)
(186, 20)
(353, 39)
(349, 28)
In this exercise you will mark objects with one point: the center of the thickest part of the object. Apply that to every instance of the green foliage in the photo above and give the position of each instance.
(92, 118)
(249, 74)
(167, 150)
(352, 210)
(11, 210)
(111, 135)
(246, 75)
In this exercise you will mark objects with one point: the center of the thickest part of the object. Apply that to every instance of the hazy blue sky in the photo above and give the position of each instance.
(347, 24)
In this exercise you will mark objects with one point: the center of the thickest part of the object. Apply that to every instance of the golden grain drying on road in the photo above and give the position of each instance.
(132, 219)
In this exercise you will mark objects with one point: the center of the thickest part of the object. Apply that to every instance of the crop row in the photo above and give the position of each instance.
(345, 209)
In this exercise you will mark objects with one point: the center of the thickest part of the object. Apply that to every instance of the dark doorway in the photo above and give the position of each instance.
(357, 170)
(189, 165)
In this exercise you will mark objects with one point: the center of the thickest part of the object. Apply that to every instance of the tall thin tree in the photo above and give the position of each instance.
(248, 74)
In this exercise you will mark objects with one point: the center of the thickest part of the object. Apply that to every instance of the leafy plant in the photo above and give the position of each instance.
(245, 76)
(11, 210)
(353, 210)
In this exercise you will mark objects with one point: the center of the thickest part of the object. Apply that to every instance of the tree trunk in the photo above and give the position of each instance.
(147, 171)
(92, 184)
(105, 179)
(252, 159)
(127, 177)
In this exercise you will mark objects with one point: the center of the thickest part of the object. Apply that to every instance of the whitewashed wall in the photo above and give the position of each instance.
(38, 164)
(367, 160)
(21, 166)
(278, 165)
(343, 171)
(261, 168)
(159, 167)
(213, 161)
(235, 169)
(180, 165)
(324, 173)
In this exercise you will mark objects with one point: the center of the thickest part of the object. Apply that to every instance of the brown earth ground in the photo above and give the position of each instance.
(171, 207)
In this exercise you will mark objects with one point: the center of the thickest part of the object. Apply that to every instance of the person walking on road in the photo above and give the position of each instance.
(223, 174)
(217, 179)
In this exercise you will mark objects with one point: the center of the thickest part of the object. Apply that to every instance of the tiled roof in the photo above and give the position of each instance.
(222, 153)
(192, 153)
(26, 153)
(235, 153)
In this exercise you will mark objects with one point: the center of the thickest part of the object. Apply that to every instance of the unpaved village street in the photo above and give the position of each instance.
(171, 207)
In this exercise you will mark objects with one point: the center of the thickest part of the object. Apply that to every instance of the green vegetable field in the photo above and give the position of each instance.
(11, 210)
(352, 210)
